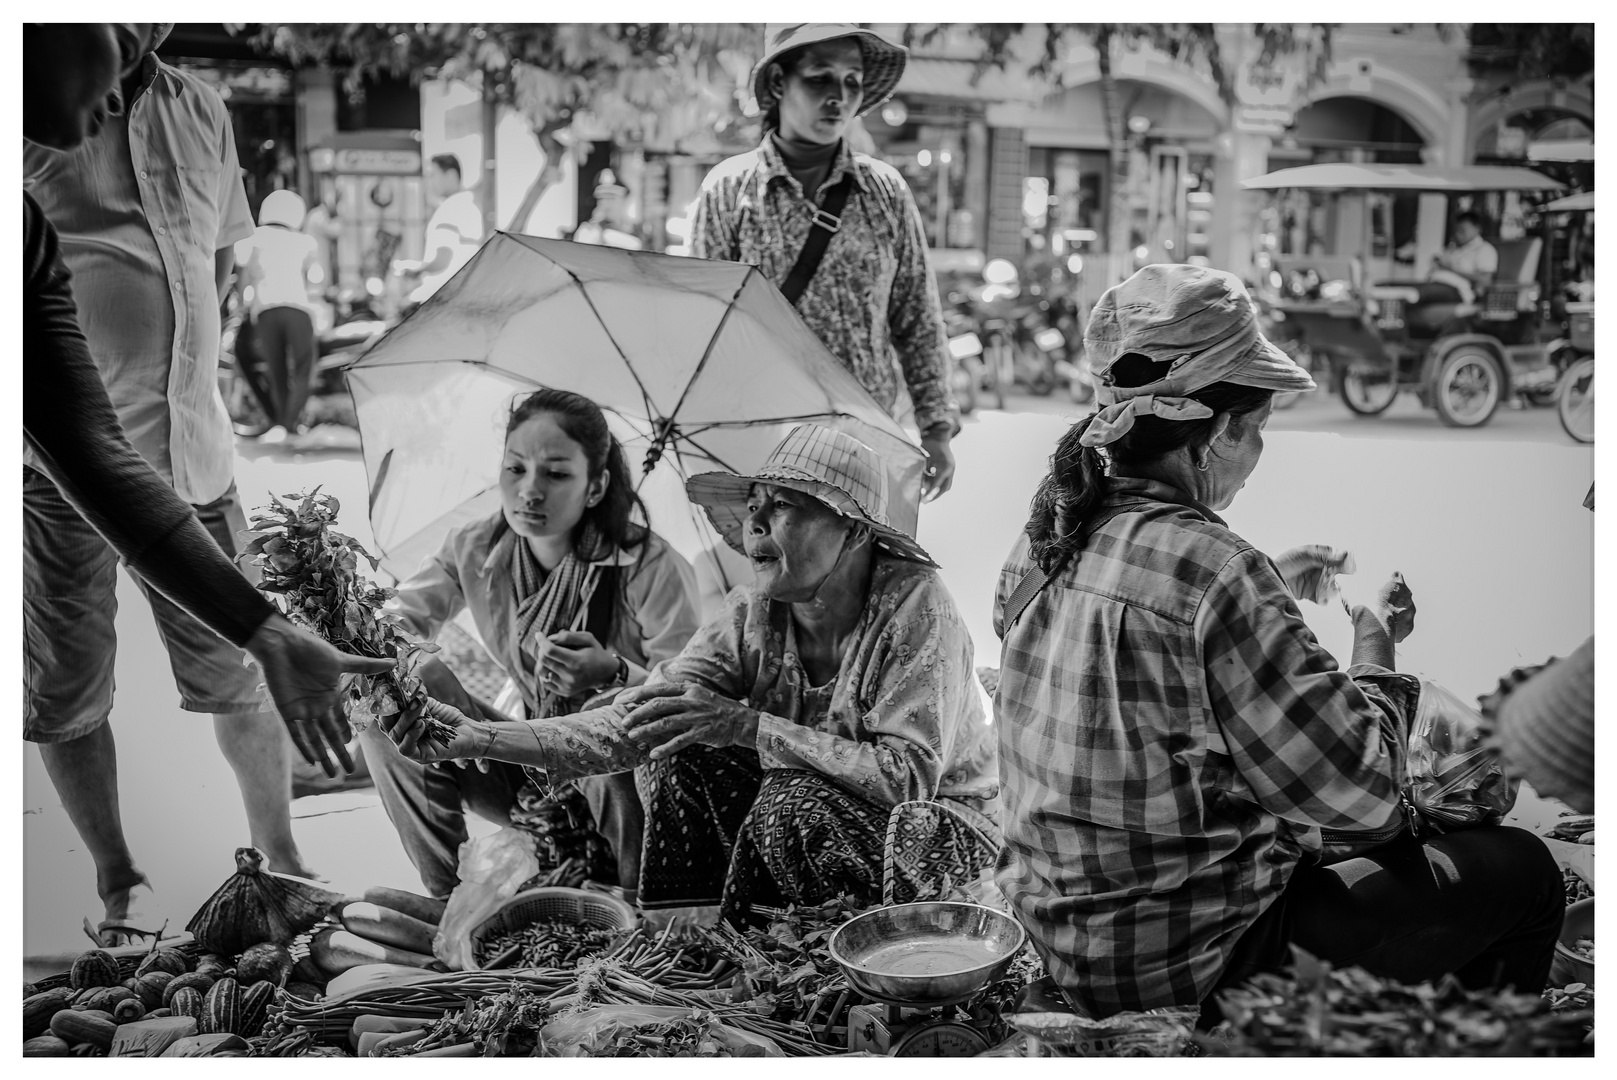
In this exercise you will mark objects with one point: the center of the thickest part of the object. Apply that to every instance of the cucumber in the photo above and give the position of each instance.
(412, 904)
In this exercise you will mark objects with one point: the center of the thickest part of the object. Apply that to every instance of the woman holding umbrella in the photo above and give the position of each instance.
(869, 295)
(830, 696)
(571, 598)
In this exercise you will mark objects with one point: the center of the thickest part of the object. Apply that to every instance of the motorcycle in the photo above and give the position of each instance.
(243, 383)
(966, 372)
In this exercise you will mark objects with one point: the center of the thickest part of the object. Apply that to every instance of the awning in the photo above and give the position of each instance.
(1583, 200)
(1348, 176)
(1561, 150)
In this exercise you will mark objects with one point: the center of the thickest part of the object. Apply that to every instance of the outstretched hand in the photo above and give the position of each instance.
(670, 717)
(303, 675)
(409, 731)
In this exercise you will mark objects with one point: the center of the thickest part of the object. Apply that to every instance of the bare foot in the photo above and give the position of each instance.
(293, 866)
(134, 912)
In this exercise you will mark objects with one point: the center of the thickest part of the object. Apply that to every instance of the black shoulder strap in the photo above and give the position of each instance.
(603, 605)
(827, 220)
(1034, 581)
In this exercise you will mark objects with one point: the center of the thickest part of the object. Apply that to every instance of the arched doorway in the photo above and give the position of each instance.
(1345, 128)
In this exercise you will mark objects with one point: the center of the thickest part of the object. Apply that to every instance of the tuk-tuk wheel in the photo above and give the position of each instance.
(1575, 400)
(1468, 387)
(1367, 391)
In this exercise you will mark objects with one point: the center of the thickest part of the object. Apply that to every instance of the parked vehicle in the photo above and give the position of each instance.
(1381, 340)
(242, 383)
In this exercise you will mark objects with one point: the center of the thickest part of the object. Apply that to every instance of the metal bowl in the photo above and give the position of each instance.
(926, 954)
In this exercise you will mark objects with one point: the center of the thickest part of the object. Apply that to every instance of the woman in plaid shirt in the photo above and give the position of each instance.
(1172, 736)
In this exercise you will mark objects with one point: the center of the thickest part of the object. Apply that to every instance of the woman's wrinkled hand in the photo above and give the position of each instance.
(409, 731)
(1395, 607)
(669, 717)
(1310, 571)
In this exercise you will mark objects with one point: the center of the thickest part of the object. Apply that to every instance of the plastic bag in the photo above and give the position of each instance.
(492, 868)
(1453, 779)
(596, 1033)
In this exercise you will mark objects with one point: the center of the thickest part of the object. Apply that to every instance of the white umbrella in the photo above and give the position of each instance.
(699, 365)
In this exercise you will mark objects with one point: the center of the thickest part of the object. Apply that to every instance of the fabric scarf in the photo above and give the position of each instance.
(550, 604)
(1166, 396)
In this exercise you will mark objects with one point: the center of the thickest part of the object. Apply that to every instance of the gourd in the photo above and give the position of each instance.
(266, 962)
(212, 965)
(94, 968)
(172, 961)
(88, 1026)
(221, 1008)
(255, 1004)
(150, 986)
(193, 980)
(107, 998)
(187, 1001)
(45, 1046)
(253, 906)
(38, 1010)
(412, 904)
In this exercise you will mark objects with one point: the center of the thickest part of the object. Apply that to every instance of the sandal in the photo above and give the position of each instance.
(142, 918)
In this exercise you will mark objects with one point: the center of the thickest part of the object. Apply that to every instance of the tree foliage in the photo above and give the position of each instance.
(1535, 50)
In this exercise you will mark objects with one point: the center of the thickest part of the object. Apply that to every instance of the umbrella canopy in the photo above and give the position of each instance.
(699, 366)
(1583, 200)
(1349, 176)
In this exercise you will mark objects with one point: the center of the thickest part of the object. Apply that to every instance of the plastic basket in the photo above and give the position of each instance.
(578, 906)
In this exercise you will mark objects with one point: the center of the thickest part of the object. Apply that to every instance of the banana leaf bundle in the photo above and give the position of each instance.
(254, 906)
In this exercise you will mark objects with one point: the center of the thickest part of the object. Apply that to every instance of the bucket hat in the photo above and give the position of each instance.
(283, 207)
(884, 61)
(1200, 321)
(832, 466)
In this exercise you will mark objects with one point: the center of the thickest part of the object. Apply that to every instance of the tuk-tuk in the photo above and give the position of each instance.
(1575, 393)
(1381, 337)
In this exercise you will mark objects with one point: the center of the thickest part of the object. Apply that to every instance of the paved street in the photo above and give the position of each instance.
(1486, 525)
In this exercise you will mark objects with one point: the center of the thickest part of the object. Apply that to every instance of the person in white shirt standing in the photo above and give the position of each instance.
(454, 232)
(276, 264)
(148, 213)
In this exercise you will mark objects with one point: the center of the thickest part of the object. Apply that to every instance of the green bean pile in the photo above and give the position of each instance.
(548, 943)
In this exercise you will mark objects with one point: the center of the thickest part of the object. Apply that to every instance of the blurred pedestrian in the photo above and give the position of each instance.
(869, 294)
(609, 224)
(454, 231)
(81, 462)
(277, 261)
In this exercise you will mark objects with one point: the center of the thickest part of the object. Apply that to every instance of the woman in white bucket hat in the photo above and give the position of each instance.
(779, 743)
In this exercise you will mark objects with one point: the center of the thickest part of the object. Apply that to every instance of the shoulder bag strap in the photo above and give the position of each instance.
(827, 220)
(1034, 581)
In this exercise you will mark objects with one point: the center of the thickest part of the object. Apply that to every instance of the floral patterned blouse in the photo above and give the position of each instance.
(873, 300)
(901, 719)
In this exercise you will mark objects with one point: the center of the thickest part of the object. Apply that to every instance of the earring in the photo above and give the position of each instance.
(1201, 465)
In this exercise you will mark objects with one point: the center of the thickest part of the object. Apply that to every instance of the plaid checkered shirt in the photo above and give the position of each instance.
(1172, 738)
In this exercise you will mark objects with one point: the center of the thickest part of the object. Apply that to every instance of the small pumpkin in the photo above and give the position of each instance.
(186, 1001)
(94, 968)
(128, 1010)
(172, 961)
(193, 980)
(221, 1008)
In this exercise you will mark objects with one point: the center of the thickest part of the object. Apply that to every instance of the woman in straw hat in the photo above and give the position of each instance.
(777, 745)
(1172, 736)
(872, 299)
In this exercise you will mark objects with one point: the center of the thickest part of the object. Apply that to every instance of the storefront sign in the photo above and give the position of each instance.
(1266, 94)
(377, 162)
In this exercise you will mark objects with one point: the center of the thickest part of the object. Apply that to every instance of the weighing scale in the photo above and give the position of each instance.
(901, 1029)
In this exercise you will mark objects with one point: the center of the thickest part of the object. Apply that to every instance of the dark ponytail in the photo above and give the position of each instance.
(1076, 483)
